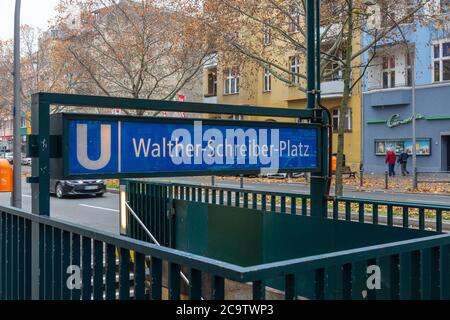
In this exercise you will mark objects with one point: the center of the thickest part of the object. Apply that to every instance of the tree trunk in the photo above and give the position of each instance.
(347, 74)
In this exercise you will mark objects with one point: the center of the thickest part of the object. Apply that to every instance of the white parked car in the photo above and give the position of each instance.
(275, 175)
(26, 161)
(9, 156)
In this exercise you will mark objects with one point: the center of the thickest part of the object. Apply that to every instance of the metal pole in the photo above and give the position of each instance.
(386, 180)
(16, 195)
(318, 71)
(413, 106)
(310, 40)
(318, 180)
(361, 175)
(135, 216)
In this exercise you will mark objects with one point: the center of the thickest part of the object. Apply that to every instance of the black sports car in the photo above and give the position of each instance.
(62, 188)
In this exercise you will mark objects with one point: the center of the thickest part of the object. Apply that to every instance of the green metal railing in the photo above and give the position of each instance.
(151, 202)
(415, 269)
(392, 213)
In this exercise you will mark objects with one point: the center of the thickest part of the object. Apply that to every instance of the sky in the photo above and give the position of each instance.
(33, 12)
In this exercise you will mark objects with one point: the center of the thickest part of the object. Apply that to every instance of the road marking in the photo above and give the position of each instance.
(100, 208)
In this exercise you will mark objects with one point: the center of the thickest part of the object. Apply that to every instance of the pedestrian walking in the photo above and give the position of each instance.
(403, 161)
(391, 160)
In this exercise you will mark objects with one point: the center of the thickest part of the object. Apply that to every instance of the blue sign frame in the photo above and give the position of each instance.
(140, 147)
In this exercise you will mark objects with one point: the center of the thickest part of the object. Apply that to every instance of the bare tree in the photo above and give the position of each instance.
(269, 33)
(138, 49)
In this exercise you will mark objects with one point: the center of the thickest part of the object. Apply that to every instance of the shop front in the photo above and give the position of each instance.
(387, 123)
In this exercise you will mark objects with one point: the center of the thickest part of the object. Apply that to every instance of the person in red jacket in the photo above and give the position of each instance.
(390, 160)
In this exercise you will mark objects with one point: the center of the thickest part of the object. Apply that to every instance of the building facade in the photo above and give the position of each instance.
(388, 98)
(254, 85)
(7, 133)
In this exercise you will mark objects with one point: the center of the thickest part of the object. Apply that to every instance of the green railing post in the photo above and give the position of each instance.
(318, 180)
(40, 181)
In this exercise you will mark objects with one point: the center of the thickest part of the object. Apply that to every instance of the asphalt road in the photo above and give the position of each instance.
(100, 213)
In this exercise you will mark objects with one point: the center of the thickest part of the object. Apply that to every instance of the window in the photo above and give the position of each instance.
(388, 72)
(445, 6)
(294, 19)
(423, 146)
(267, 33)
(54, 33)
(212, 83)
(409, 60)
(333, 71)
(295, 69)
(441, 62)
(267, 80)
(231, 82)
(348, 120)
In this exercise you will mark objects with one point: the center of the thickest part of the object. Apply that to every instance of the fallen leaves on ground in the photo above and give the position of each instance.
(371, 183)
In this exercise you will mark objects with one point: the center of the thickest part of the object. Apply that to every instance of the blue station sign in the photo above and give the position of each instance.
(116, 146)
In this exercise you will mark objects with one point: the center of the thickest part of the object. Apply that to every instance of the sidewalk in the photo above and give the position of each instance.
(372, 183)
(397, 184)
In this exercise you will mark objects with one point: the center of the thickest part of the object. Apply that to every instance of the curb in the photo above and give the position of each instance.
(110, 190)
(386, 191)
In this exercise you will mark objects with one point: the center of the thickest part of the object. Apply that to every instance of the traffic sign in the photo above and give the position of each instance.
(115, 146)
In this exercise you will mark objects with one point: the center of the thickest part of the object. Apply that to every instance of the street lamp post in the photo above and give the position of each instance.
(413, 107)
(16, 195)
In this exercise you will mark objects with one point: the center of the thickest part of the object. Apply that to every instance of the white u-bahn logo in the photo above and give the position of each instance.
(82, 147)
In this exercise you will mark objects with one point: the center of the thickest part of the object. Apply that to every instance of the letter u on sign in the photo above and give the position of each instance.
(82, 147)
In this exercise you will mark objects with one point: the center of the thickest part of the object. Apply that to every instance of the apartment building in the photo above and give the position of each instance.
(389, 96)
(255, 85)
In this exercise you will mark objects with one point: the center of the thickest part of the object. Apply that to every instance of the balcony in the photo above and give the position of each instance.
(210, 99)
(332, 89)
(330, 33)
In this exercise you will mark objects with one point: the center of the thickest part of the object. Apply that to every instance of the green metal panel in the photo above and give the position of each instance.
(86, 260)
(48, 268)
(65, 263)
(98, 270)
(195, 284)
(110, 277)
(201, 230)
(57, 265)
(218, 288)
(174, 281)
(156, 273)
(247, 237)
(427, 256)
(139, 272)
(76, 252)
(165, 105)
(124, 274)
(445, 272)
